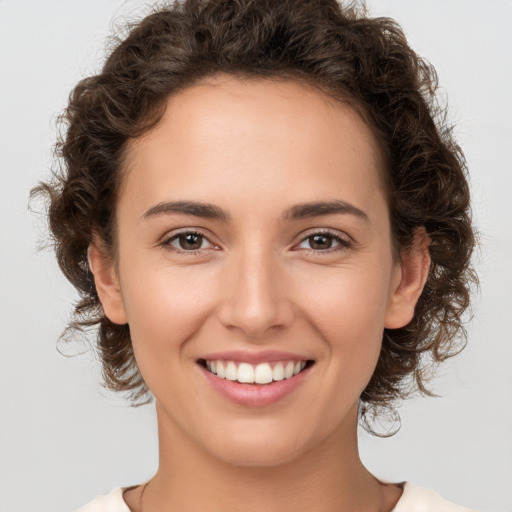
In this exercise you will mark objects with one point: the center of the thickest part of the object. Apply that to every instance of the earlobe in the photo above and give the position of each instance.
(107, 284)
(411, 278)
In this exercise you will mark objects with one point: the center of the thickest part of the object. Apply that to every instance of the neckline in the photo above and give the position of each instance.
(406, 487)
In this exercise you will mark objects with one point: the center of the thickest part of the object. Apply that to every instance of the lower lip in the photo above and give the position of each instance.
(255, 395)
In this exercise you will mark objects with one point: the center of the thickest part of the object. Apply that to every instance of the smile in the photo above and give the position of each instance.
(262, 373)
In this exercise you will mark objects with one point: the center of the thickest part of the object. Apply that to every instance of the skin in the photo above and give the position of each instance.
(257, 148)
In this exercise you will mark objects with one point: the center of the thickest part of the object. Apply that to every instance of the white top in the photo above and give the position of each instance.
(414, 499)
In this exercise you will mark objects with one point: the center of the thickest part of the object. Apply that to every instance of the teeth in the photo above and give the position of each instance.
(231, 371)
(245, 373)
(288, 371)
(278, 371)
(221, 372)
(262, 373)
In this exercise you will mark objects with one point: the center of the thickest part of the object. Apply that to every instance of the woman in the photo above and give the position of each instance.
(270, 225)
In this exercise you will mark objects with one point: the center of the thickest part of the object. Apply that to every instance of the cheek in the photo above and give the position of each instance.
(353, 299)
(164, 310)
(349, 315)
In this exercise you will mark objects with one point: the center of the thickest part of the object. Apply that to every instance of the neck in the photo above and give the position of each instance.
(328, 478)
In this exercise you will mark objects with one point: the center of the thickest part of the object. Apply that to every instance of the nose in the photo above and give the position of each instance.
(254, 296)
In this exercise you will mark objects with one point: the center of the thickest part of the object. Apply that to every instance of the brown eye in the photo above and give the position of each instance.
(324, 242)
(190, 241)
(319, 242)
(187, 241)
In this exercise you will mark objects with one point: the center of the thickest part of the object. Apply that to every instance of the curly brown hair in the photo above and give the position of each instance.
(343, 52)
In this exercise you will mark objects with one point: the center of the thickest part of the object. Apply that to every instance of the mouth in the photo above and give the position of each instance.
(260, 374)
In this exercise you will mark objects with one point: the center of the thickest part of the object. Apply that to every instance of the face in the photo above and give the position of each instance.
(254, 242)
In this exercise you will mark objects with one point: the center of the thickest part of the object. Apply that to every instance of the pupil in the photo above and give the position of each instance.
(321, 242)
(191, 241)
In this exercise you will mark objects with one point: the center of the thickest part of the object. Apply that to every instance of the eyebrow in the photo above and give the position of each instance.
(296, 212)
(318, 208)
(205, 210)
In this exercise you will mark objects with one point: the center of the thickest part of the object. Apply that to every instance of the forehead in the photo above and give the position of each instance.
(285, 133)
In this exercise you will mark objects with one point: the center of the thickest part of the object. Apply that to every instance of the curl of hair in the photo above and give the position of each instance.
(339, 49)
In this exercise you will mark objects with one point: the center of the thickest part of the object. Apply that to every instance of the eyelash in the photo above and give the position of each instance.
(168, 241)
(343, 243)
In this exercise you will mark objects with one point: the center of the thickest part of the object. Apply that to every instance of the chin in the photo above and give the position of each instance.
(253, 450)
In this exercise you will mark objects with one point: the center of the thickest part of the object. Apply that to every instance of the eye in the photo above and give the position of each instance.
(323, 241)
(188, 241)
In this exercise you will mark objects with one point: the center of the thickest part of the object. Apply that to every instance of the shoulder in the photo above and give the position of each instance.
(417, 499)
(111, 502)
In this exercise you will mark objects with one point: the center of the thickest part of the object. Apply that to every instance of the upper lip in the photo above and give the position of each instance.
(263, 356)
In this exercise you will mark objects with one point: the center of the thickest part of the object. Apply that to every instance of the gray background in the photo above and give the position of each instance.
(63, 440)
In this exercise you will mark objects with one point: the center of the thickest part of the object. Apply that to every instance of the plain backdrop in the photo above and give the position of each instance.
(64, 440)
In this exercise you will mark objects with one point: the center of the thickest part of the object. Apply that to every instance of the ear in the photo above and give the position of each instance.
(107, 284)
(411, 276)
